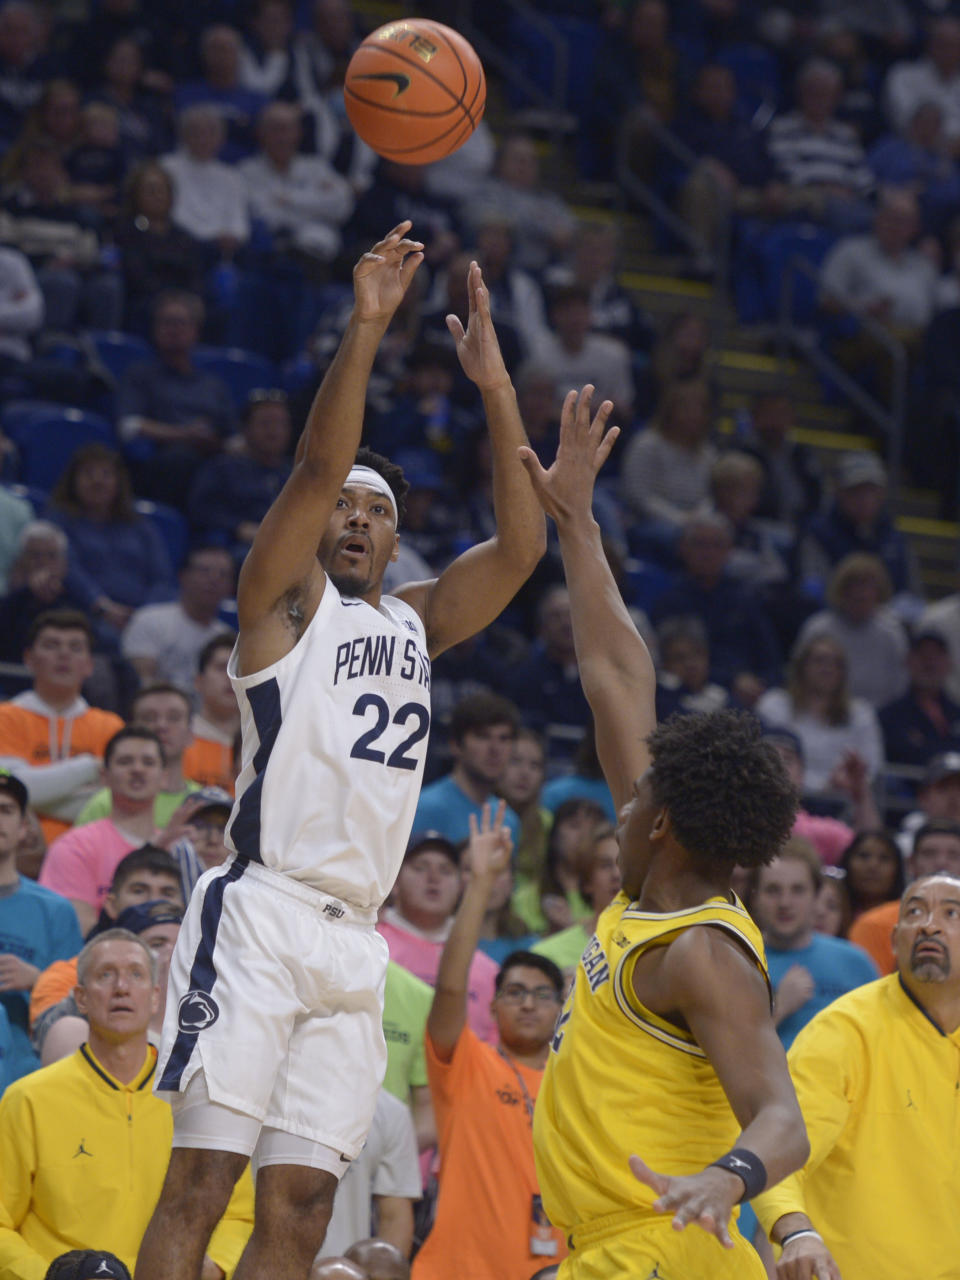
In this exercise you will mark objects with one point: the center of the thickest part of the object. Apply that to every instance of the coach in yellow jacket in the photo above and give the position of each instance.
(877, 1074)
(84, 1143)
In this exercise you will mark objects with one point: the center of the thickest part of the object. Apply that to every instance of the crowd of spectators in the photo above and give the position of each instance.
(178, 180)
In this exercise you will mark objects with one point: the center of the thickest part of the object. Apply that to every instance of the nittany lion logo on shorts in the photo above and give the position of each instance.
(197, 1011)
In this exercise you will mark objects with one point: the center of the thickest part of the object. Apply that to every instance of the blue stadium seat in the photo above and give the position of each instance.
(242, 371)
(171, 526)
(791, 240)
(117, 350)
(762, 255)
(757, 74)
(47, 436)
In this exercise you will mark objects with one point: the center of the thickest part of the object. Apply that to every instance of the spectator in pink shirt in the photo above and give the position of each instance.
(417, 923)
(829, 836)
(80, 863)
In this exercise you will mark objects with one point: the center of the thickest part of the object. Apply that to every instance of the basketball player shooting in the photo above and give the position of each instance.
(666, 1098)
(272, 1048)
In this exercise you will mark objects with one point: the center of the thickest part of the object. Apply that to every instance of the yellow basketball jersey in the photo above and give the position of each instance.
(621, 1081)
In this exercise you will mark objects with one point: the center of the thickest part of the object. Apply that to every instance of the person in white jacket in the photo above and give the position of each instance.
(302, 199)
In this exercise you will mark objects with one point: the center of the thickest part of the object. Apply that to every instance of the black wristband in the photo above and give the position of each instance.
(746, 1166)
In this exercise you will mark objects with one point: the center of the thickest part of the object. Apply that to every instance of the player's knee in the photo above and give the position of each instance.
(294, 1201)
(199, 1183)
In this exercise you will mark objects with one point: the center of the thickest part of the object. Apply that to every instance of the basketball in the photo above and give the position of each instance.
(415, 91)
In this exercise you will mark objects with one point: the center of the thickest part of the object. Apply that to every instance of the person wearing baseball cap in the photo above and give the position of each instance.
(925, 721)
(87, 1264)
(938, 796)
(858, 519)
(201, 846)
(37, 927)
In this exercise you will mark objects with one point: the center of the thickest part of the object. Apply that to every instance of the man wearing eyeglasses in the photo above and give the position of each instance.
(489, 1219)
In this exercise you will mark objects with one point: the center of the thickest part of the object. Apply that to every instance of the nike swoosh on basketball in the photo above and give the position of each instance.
(399, 79)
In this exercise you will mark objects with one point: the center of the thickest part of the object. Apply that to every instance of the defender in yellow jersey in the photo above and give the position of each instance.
(666, 1050)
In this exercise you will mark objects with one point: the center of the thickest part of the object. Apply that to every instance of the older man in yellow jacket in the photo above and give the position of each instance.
(84, 1143)
(877, 1074)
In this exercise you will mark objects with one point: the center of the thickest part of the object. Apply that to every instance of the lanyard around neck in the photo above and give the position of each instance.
(527, 1100)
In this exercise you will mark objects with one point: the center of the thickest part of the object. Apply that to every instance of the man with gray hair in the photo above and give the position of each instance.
(39, 580)
(744, 652)
(301, 199)
(84, 1143)
(209, 197)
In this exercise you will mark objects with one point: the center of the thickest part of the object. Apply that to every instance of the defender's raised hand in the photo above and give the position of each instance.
(566, 488)
(477, 345)
(382, 276)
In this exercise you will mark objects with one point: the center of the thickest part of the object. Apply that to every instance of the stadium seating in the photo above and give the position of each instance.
(47, 435)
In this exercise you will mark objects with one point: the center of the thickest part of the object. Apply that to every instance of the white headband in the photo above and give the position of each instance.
(367, 478)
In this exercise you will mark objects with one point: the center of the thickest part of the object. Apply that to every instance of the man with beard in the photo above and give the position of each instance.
(876, 1075)
(272, 1044)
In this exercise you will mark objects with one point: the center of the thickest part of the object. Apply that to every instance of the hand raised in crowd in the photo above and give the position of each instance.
(490, 844)
(566, 488)
(706, 1198)
(807, 1258)
(382, 276)
(16, 974)
(477, 346)
(851, 775)
(794, 990)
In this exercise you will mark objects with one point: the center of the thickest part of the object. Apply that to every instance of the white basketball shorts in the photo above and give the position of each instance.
(276, 995)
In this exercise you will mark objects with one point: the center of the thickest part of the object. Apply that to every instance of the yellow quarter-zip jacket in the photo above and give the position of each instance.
(879, 1086)
(82, 1160)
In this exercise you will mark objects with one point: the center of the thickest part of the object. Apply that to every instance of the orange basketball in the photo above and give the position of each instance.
(415, 91)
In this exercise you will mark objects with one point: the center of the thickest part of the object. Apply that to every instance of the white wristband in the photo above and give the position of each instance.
(796, 1235)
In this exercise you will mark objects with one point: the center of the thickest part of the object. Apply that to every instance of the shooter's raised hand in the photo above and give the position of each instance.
(477, 345)
(382, 276)
(566, 488)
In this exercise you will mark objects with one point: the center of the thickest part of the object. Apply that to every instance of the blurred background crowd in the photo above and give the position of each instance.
(741, 221)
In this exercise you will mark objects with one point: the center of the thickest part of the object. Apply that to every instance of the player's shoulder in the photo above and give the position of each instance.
(865, 1009)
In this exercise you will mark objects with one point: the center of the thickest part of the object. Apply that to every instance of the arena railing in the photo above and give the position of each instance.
(550, 111)
(716, 258)
(805, 341)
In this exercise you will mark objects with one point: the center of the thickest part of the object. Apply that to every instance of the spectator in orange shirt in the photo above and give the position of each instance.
(489, 1223)
(50, 737)
(936, 848)
(209, 759)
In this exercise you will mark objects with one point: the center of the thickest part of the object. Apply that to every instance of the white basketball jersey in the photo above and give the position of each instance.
(334, 741)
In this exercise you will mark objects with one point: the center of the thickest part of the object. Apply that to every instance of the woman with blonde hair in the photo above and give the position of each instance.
(818, 707)
(870, 635)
